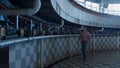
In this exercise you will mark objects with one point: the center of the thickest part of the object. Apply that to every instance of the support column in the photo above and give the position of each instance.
(103, 5)
(40, 26)
(17, 22)
(62, 22)
(31, 26)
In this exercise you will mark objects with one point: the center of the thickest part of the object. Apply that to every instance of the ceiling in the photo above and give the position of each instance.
(46, 11)
(22, 3)
(108, 1)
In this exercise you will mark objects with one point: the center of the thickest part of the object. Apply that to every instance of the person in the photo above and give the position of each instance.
(34, 32)
(3, 33)
(85, 40)
(21, 32)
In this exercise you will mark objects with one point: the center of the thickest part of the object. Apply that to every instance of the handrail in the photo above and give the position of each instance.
(7, 42)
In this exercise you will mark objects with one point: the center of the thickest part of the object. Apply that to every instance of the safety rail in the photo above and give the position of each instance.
(48, 50)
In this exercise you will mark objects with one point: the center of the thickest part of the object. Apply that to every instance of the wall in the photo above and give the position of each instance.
(23, 54)
(45, 50)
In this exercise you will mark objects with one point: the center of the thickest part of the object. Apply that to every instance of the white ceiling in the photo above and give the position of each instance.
(108, 1)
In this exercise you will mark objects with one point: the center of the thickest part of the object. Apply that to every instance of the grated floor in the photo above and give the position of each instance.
(104, 59)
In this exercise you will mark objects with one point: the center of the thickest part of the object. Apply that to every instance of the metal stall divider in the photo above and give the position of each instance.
(118, 38)
(41, 53)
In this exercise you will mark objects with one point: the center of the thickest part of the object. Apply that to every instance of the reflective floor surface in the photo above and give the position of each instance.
(104, 59)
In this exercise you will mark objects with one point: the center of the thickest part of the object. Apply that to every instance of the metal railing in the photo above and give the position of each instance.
(62, 46)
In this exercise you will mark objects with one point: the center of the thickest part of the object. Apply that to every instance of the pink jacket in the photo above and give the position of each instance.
(85, 36)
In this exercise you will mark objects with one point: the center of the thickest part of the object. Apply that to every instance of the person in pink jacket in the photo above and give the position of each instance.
(85, 40)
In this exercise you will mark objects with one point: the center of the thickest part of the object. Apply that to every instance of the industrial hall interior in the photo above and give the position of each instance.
(59, 33)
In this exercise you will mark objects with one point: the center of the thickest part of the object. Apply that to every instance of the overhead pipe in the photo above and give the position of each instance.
(58, 27)
(81, 27)
(62, 23)
(101, 30)
(23, 11)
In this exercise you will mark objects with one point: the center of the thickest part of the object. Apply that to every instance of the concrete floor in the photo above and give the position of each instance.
(104, 59)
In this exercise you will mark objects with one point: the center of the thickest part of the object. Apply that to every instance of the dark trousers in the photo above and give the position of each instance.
(84, 49)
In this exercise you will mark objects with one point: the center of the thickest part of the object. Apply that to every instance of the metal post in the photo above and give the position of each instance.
(94, 47)
(17, 21)
(40, 26)
(118, 41)
(41, 53)
(62, 22)
(94, 41)
(31, 26)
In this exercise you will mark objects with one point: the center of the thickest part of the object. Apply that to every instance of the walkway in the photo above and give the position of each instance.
(104, 59)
